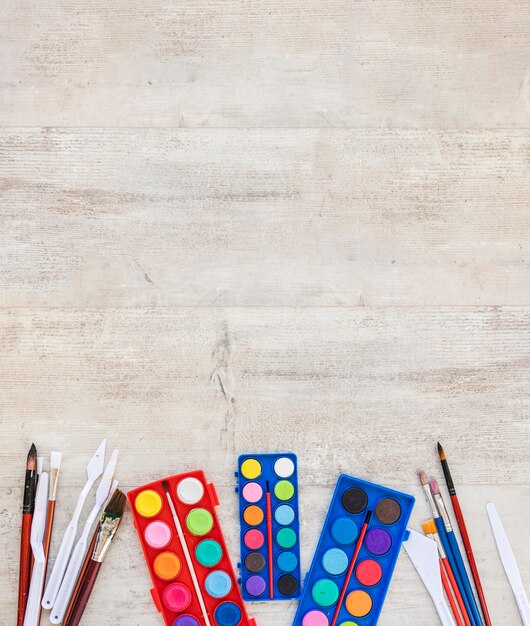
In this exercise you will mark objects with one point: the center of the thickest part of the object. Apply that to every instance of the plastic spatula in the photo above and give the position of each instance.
(94, 470)
(76, 561)
(423, 553)
(509, 563)
(31, 618)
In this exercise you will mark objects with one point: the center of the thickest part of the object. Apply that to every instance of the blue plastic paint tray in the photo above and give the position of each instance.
(372, 573)
(270, 526)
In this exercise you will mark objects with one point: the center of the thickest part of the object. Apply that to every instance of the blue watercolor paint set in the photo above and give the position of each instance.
(363, 519)
(270, 526)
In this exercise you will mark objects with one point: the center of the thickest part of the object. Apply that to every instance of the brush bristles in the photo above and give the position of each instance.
(116, 504)
(55, 460)
(426, 527)
(31, 462)
(423, 478)
(435, 487)
(441, 452)
(165, 485)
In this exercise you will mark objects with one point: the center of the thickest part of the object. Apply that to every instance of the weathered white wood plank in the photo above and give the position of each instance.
(323, 63)
(354, 388)
(113, 217)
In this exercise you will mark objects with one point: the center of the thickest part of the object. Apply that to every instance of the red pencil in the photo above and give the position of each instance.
(352, 565)
(28, 506)
(269, 542)
(464, 534)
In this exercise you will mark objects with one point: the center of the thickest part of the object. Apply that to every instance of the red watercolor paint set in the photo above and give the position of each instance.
(193, 578)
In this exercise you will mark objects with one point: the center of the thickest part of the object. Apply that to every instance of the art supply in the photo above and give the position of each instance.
(269, 526)
(192, 575)
(28, 506)
(94, 470)
(467, 591)
(31, 617)
(424, 555)
(445, 580)
(108, 526)
(76, 561)
(88, 557)
(55, 465)
(353, 562)
(373, 569)
(509, 563)
(433, 532)
(464, 534)
(440, 524)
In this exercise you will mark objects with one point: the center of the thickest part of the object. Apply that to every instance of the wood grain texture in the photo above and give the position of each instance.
(280, 63)
(359, 390)
(236, 225)
(111, 217)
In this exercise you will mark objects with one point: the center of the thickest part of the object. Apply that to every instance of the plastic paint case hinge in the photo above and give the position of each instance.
(213, 494)
(156, 600)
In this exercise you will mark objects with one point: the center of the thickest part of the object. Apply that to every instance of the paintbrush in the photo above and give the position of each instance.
(464, 534)
(269, 541)
(427, 529)
(448, 570)
(28, 506)
(38, 524)
(351, 566)
(473, 611)
(55, 465)
(86, 562)
(186, 551)
(108, 525)
(442, 533)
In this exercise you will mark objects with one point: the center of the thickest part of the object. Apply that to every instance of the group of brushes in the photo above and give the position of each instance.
(439, 561)
(455, 579)
(76, 567)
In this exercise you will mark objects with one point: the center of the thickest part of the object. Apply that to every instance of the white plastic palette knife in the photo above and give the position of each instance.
(31, 617)
(509, 563)
(74, 567)
(94, 470)
(423, 553)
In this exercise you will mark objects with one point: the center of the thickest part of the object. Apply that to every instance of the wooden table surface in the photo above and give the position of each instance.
(255, 225)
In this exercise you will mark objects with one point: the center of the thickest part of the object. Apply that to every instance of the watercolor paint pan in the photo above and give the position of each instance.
(173, 589)
(270, 526)
(367, 588)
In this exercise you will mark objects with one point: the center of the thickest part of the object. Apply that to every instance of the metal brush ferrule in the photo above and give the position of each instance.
(428, 493)
(439, 543)
(54, 476)
(107, 529)
(443, 512)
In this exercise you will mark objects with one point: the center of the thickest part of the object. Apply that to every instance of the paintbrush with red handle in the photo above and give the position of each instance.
(464, 534)
(269, 541)
(108, 525)
(429, 528)
(86, 562)
(28, 506)
(352, 565)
